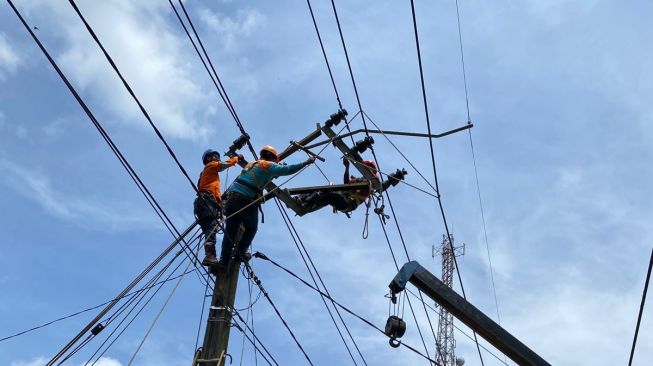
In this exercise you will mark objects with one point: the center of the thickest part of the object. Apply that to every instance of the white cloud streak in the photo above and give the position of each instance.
(9, 59)
(35, 185)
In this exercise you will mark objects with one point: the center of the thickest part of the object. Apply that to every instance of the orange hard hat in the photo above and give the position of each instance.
(271, 150)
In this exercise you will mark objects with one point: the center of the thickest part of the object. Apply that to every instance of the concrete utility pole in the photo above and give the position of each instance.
(218, 324)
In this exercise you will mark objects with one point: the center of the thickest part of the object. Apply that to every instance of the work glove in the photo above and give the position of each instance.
(310, 160)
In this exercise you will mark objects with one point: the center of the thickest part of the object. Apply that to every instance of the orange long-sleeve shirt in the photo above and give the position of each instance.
(210, 177)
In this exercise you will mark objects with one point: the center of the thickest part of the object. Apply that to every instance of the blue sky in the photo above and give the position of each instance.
(559, 93)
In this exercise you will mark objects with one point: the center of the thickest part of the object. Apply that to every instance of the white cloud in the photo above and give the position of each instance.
(232, 29)
(37, 186)
(9, 59)
(157, 64)
(40, 361)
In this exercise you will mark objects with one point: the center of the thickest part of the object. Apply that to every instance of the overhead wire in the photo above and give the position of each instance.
(156, 319)
(353, 80)
(471, 144)
(99, 352)
(137, 295)
(435, 173)
(361, 318)
(298, 242)
(123, 161)
(641, 309)
(219, 85)
(72, 315)
(460, 330)
(131, 92)
(258, 283)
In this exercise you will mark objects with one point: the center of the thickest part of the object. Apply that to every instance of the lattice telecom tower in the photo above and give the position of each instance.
(446, 344)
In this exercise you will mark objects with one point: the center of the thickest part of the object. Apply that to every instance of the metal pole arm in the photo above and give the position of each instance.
(467, 313)
(395, 133)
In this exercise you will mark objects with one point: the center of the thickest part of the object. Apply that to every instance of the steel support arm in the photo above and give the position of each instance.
(395, 133)
(467, 313)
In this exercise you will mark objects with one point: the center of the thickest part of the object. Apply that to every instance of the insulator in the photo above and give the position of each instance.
(238, 144)
(335, 118)
(364, 144)
(97, 329)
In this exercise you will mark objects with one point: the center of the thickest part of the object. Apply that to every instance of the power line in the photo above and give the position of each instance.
(326, 59)
(221, 90)
(298, 242)
(353, 80)
(123, 161)
(258, 283)
(89, 309)
(361, 318)
(435, 173)
(641, 309)
(135, 305)
(131, 92)
(458, 328)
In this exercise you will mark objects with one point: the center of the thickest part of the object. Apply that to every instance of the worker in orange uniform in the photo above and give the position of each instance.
(242, 199)
(346, 201)
(208, 204)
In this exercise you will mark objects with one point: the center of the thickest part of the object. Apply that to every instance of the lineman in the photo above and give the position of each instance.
(208, 204)
(345, 201)
(243, 199)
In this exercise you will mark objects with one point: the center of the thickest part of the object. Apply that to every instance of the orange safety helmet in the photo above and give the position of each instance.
(271, 150)
(372, 165)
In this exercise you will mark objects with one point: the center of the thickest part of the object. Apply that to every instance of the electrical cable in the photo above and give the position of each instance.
(487, 245)
(131, 92)
(641, 309)
(87, 309)
(256, 339)
(435, 174)
(276, 310)
(344, 46)
(156, 319)
(298, 241)
(460, 330)
(226, 98)
(132, 173)
(253, 342)
(136, 295)
(264, 257)
(147, 302)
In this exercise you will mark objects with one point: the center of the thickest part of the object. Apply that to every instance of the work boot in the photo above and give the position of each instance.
(209, 259)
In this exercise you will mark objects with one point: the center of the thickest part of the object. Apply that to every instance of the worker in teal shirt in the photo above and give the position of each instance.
(242, 199)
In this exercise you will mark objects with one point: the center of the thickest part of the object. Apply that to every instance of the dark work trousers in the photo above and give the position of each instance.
(339, 201)
(208, 212)
(248, 217)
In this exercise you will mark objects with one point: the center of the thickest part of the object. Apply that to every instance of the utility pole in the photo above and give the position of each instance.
(446, 344)
(218, 323)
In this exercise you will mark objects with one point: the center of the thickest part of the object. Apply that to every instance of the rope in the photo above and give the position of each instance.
(165, 304)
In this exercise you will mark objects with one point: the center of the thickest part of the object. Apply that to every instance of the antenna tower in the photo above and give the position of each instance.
(446, 343)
